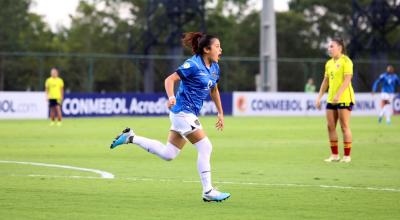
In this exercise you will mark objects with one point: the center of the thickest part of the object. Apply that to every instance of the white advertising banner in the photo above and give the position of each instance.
(23, 105)
(294, 104)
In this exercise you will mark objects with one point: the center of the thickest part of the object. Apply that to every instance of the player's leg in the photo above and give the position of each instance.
(382, 111)
(331, 119)
(344, 119)
(167, 152)
(204, 147)
(388, 109)
(58, 111)
(52, 112)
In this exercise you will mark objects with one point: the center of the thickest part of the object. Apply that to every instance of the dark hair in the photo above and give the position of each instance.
(340, 42)
(390, 67)
(197, 41)
(55, 68)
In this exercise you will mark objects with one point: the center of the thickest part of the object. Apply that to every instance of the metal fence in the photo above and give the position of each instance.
(125, 73)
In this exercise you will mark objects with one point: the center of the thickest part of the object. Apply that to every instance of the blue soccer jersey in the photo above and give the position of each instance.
(389, 83)
(196, 82)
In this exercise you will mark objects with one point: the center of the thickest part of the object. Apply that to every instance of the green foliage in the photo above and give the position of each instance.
(13, 21)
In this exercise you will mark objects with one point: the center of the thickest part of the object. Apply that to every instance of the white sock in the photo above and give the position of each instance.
(382, 112)
(204, 149)
(388, 112)
(167, 152)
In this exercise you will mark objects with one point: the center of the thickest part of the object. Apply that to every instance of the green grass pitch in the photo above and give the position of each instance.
(273, 167)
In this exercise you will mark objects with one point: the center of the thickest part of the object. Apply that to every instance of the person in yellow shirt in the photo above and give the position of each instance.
(55, 93)
(338, 74)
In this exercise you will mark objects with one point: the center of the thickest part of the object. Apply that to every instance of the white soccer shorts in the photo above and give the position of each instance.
(184, 123)
(387, 96)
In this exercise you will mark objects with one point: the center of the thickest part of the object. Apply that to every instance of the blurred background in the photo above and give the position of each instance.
(108, 46)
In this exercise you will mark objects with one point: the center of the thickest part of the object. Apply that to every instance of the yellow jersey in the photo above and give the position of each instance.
(54, 85)
(335, 71)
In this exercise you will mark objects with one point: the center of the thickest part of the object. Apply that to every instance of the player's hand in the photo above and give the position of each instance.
(220, 122)
(335, 99)
(171, 102)
(318, 104)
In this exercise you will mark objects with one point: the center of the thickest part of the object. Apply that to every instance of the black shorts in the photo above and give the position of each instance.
(336, 106)
(53, 103)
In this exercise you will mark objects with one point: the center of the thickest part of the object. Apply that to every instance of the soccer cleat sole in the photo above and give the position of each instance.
(206, 200)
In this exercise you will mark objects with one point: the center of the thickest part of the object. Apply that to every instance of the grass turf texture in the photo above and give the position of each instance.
(249, 157)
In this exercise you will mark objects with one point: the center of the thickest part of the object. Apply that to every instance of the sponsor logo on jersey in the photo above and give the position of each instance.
(186, 65)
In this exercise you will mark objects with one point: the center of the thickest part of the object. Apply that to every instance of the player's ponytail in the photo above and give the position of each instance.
(197, 41)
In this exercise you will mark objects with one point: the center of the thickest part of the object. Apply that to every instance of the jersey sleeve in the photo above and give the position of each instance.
(61, 83)
(186, 69)
(376, 83)
(348, 67)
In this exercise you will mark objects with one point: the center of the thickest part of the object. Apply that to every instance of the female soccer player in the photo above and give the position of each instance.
(338, 74)
(198, 77)
(54, 86)
(389, 81)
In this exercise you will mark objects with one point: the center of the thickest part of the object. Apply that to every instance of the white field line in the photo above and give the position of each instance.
(295, 185)
(103, 174)
(107, 175)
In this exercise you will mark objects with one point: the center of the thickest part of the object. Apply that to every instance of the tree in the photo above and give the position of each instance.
(327, 19)
(21, 31)
(13, 20)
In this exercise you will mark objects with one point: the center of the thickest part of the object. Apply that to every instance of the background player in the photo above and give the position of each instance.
(389, 81)
(54, 87)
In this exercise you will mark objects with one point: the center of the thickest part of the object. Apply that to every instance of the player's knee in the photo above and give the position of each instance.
(169, 158)
(204, 146)
(331, 127)
(345, 128)
(170, 152)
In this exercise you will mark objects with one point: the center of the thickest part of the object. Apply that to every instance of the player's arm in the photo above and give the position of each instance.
(376, 83)
(169, 88)
(46, 89)
(322, 90)
(214, 93)
(345, 84)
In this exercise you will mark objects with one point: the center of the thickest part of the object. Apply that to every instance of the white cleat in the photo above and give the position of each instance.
(215, 196)
(346, 159)
(333, 158)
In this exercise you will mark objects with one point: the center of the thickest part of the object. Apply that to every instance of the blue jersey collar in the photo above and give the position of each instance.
(202, 61)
